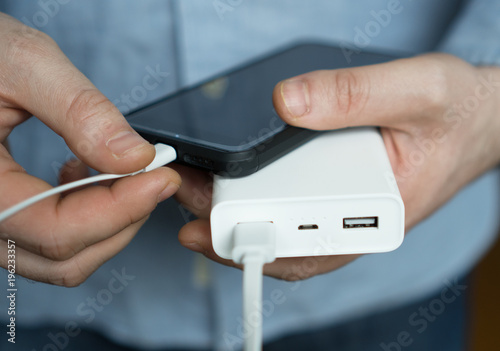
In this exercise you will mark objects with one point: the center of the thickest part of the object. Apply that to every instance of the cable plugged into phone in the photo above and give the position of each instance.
(334, 195)
(164, 155)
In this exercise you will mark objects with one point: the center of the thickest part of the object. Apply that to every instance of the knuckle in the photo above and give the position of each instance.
(349, 92)
(73, 279)
(86, 110)
(298, 273)
(291, 278)
(24, 51)
(21, 56)
(70, 273)
(68, 278)
(437, 89)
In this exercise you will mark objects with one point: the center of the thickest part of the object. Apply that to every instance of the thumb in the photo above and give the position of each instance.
(47, 85)
(376, 95)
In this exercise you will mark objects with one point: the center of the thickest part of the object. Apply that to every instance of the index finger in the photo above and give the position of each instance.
(39, 78)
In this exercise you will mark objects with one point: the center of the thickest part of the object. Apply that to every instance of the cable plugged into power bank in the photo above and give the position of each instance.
(334, 195)
(254, 245)
(164, 155)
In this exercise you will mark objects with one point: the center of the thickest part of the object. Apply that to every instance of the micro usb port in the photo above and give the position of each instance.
(360, 222)
(308, 226)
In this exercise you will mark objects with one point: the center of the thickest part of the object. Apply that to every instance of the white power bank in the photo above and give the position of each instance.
(333, 195)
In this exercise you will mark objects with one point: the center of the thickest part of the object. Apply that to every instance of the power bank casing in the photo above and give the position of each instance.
(335, 194)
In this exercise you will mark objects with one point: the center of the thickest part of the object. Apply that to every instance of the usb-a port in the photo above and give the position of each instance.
(360, 222)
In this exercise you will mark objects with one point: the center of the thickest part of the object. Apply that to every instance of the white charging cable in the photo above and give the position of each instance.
(254, 245)
(164, 155)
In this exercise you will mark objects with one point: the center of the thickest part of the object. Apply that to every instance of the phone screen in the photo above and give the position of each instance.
(234, 112)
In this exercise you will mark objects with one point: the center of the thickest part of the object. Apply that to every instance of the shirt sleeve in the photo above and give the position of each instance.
(475, 34)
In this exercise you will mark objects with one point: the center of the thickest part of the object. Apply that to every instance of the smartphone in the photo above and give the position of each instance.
(227, 124)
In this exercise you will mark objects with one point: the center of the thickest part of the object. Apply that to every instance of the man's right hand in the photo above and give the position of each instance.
(64, 240)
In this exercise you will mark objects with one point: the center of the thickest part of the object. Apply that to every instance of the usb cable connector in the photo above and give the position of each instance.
(254, 246)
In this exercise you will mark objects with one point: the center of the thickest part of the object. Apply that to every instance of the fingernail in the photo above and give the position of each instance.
(194, 247)
(170, 190)
(295, 94)
(123, 142)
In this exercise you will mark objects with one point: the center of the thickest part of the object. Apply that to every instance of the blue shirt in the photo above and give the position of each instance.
(156, 293)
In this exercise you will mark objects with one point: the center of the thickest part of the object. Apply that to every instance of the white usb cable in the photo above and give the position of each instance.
(254, 245)
(164, 155)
